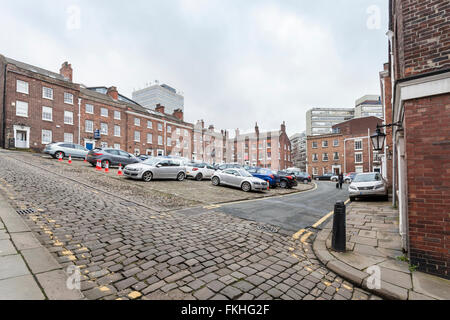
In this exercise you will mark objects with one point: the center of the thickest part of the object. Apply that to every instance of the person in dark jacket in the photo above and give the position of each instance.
(341, 180)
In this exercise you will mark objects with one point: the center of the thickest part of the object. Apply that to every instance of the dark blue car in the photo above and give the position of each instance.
(266, 175)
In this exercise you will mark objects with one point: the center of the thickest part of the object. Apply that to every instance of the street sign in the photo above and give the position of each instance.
(97, 134)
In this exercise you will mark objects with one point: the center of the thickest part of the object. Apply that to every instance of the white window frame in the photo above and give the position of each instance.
(315, 157)
(357, 142)
(336, 143)
(150, 135)
(149, 124)
(104, 125)
(359, 169)
(160, 127)
(325, 144)
(22, 86)
(23, 104)
(117, 115)
(117, 146)
(137, 122)
(137, 136)
(314, 145)
(66, 113)
(86, 126)
(356, 155)
(86, 108)
(327, 157)
(68, 95)
(47, 90)
(50, 113)
(315, 171)
(160, 140)
(169, 129)
(116, 131)
(334, 156)
(104, 114)
(169, 141)
(67, 134)
(42, 136)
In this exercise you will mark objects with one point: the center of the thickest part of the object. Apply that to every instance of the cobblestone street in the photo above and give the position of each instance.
(129, 251)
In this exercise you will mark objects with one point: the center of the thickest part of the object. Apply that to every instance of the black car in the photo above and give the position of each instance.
(325, 176)
(113, 156)
(287, 179)
(303, 177)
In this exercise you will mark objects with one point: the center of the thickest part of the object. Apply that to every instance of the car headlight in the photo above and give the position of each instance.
(352, 188)
(379, 186)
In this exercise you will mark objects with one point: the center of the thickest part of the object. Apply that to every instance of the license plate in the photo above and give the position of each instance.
(360, 193)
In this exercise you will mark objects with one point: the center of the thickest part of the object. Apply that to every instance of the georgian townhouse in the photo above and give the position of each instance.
(38, 106)
(325, 153)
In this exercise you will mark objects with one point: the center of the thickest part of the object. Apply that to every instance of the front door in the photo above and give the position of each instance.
(21, 139)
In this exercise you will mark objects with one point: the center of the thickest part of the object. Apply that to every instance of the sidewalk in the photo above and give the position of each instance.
(373, 240)
(27, 270)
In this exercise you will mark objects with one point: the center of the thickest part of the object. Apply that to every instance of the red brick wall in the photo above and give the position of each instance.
(35, 103)
(367, 150)
(386, 97)
(2, 91)
(422, 29)
(427, 136)
(321, 165)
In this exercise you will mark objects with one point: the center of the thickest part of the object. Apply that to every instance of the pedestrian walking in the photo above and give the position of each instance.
(341, 180)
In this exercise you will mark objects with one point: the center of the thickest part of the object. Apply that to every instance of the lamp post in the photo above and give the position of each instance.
(378, 140)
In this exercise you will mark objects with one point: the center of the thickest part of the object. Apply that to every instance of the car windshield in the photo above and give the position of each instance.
(365, 178)
(245, 173)
(151, 161)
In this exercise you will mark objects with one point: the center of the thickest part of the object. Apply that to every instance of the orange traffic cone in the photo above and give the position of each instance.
(107, 167)
(85, 159)
(60, 158)
(119, 173)
(268, 185)
(99, 166)
(70, 159)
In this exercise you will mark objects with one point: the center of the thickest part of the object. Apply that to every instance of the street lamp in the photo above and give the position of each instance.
(379, 137)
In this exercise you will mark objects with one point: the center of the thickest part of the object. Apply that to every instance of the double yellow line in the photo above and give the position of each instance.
(306, 234)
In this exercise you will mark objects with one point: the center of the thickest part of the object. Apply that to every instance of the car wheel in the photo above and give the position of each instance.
(305, 181)
(283, 184)
(246, 187)
(147, 176)
(215, 181)
(58, 154)
(181, 176)
(352, 198)
(199, 177)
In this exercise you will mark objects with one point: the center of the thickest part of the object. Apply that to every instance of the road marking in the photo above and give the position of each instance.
(214, 206)
(298, 234)
(306, 236)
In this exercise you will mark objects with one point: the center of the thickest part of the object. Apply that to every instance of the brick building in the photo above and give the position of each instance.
(419, 68)
(40, 107)
(346, 150)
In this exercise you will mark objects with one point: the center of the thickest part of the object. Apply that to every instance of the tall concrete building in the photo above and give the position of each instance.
(156, 94)
(321, 120)
(298, 143)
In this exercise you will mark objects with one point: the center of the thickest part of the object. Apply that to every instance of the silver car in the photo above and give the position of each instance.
(368, 185)
(238, 178)
(156, 168)
(65, 149)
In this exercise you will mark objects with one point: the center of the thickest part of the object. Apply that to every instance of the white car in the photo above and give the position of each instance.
(239, 178)
(366, 185)
(200, 171)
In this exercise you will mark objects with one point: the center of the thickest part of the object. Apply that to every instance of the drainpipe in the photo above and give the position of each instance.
(4, 107)
(368, 146)
(79, 121)
(390, 35)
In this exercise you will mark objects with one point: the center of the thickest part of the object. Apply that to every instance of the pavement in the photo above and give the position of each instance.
(374, 247)
(27, 270)
(124, 249)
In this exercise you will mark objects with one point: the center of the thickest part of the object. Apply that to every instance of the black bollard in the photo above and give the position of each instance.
(339, 233)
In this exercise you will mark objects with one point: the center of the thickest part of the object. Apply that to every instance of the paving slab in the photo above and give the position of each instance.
(358, 261)
(7, 248)
(12, 266)
(432, 286)
(15, 224)
(55, 286)
(25, 240)
(40, 260)
(4, 235)
(20, 288)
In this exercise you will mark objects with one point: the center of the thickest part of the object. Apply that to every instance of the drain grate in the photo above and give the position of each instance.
(268, 228)
(26, 211)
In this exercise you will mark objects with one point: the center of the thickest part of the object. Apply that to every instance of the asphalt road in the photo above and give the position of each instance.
(290, 212)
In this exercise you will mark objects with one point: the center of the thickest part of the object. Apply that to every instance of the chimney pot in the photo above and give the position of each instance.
(113, 93)
(66, 71)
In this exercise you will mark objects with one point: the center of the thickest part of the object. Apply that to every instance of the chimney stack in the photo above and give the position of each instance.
(178, 113)
(159, 108)
(113, 93)
(66, 71)
(283, 127)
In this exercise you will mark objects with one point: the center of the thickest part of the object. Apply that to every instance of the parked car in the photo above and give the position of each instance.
(239, 178)
(65, 149)
(300, 176)
(113, 156)
(229, 166)
(348, 177)
(156, 168)
(266, 175)
(325, 176)
(200, 171)
(144, 157)
(287, 179)
(368, 185)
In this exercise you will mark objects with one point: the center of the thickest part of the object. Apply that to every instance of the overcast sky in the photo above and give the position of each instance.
(236, 61)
